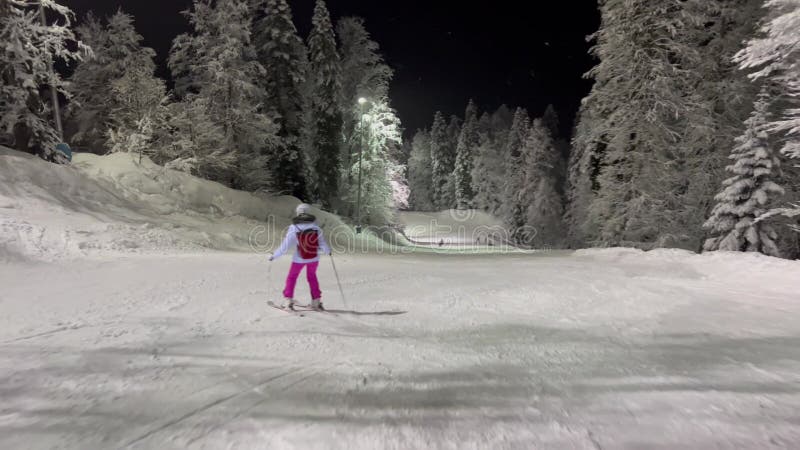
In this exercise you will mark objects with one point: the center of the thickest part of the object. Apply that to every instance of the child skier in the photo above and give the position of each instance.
(306, 236)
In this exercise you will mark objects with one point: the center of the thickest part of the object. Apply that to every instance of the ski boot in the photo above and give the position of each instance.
(288, 303)
(316, 304)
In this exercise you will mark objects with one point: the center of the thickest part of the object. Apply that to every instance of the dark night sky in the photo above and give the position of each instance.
(524, 53)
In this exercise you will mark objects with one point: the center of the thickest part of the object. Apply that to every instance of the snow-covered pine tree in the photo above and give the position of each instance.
(181, 56)
(420, 173)
(551, 122)
(405, 152)
(364, 71)
(502, 119)
(488, 171)
(325, 112)
(224, 72)
(501, 124)
(364, 75)
(786, 220)
(193, 141)
(775, 53)
(725, 95)
(283, 54)
(748, 193)
(26, 54)
(514, 208)
(379, 169)
(443, 162)
(86, 115)
(139, 98)
(696, 60)
(545, 206)
(118, 51)
(468, 143)
(582, 172)
(646, 81)
(453, 135)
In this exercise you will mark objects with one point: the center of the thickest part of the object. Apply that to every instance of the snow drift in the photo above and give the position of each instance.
(113, 203)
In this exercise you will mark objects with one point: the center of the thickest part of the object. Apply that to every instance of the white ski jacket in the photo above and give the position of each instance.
(291, 241)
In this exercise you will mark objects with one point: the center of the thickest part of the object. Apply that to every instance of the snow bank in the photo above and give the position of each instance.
(753, 270)
(114, 204)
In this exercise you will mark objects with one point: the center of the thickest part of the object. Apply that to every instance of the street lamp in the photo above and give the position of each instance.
(362, 102)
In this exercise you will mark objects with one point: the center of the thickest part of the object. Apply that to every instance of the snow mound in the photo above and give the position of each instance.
(114, 203)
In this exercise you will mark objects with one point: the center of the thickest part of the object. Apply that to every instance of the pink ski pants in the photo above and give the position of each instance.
(311, 275)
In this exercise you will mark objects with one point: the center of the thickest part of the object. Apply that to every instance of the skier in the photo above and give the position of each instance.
(306, 236)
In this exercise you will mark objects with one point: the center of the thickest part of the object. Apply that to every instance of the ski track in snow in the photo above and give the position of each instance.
(555, 350)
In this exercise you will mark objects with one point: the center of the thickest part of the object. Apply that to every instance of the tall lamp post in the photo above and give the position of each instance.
(362, 102)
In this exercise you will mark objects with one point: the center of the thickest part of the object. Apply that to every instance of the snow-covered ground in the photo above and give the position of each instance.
(169, 343)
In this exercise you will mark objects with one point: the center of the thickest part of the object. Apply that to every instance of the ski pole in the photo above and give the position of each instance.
(269, 279)
(338, 282)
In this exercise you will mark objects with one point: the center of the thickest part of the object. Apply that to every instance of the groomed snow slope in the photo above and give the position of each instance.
(167, 347)
(452, 227)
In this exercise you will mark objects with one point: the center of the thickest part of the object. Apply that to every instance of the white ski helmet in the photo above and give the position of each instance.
(302, 208)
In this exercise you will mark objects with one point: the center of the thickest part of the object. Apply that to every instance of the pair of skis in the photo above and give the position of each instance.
(299, 309)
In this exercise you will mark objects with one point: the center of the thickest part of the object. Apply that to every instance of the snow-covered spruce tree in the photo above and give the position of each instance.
(86, 115)
(786, 219)
(284, 56)
(514, 208)
(405, 152)
(727, 98)
(582, 172)
(193, 141)
(181, 59)
(551, 122)
(139, 98)
(364, 71)
(27, 50)
(501, 121)
(453, 135)
(118, 51)
(378, 169)
(709, 90)
(224, 71)
(501, 124)
(646, 83)
(364, 75)
(776, 56)
(420, 173)
(324, 119)
(748, 193)
(468, 143)
(545, 206)
(488, 172)
(443, 160)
